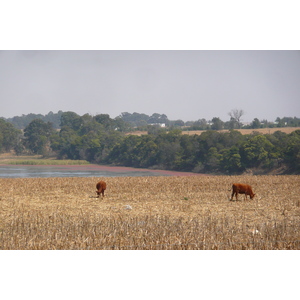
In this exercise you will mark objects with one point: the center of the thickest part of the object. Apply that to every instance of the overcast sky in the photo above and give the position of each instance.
(187, 85)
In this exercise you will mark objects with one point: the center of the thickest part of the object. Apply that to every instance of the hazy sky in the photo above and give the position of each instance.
(187, 85)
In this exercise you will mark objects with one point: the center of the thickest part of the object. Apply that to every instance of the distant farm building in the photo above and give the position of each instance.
(158, 124)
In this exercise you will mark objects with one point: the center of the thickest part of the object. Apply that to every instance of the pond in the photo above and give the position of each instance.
(24, 171)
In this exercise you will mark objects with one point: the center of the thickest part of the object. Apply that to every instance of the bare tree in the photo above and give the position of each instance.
(236, 115)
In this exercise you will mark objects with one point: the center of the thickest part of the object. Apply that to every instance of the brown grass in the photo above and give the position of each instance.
(149, 213)
(243, 131)
(250, 131)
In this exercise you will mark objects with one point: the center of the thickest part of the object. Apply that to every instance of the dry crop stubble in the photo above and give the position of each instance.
(192, 212)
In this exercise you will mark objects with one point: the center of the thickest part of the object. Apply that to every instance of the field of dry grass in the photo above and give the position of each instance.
(242, 131)
(250, 131)
(149, 213)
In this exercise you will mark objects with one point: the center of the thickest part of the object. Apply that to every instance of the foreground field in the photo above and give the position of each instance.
(149, 213)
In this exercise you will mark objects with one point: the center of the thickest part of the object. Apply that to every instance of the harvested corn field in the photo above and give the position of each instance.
(149, 213)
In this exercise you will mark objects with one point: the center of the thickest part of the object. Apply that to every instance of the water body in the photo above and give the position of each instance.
(24, 171)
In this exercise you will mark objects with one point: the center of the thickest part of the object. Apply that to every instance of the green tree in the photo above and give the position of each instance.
(122, 126)
(158, 119)
(188, 146)
(231, 160)
(123, 152)
(255, 124)
(91, 126)
(9, 136)
(212, 159)
(217, 124)
(105, 120)
(145, 152)
(70, 144)
(71, 120)
(107, 140)
(135, 119)
(292, 151)
(258, 151)
(176, 123)
(231, 138)
(37, 136)
(200, 124)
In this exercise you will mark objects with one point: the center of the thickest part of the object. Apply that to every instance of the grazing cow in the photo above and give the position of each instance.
(101, 187)
(240, 188)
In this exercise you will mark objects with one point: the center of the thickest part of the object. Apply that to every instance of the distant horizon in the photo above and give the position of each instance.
(242, 121)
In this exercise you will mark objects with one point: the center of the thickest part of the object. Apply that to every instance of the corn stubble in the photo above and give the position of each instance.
(149, 213)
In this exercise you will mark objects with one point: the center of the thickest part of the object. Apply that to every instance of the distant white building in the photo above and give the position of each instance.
(246, 123)
(158, 124)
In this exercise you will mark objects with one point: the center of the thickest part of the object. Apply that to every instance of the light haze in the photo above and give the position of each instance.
(187, 85)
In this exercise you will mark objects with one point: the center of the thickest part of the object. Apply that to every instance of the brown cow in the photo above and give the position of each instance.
(240, 188)
(101, 187)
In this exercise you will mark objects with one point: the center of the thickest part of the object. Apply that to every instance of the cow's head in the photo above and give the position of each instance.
(252, 196)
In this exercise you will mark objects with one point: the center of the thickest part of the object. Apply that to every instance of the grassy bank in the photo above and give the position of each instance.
(48, 162)
(149, 213)
(10, 159)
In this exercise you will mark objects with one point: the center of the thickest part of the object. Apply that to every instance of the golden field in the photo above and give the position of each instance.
(286, 130)
(187, 212)
(242, 131)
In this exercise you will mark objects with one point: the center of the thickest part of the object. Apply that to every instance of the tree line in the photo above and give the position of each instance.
(140, 121)
(101, 139)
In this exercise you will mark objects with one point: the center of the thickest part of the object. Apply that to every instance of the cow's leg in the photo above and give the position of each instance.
(100, 191)
(232, 195)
